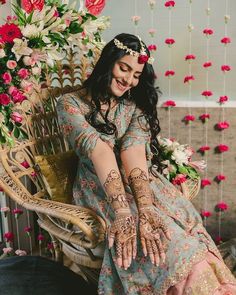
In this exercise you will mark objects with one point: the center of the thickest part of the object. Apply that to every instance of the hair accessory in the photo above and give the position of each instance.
(142, 55)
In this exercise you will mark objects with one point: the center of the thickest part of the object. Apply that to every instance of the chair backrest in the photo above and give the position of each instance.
(19, 177)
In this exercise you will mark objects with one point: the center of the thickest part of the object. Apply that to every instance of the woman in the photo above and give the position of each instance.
(156, 243)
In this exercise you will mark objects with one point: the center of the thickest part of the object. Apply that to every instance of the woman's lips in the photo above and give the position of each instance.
(120, 86)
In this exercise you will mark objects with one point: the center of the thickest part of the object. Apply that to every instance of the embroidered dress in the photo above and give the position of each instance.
(193, 264)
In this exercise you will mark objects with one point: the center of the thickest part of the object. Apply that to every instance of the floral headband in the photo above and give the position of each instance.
(142, 55)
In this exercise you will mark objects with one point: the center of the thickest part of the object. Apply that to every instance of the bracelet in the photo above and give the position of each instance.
(122, 211)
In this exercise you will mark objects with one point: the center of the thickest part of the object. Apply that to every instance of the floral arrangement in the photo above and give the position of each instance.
(40, 33)
(176, 159)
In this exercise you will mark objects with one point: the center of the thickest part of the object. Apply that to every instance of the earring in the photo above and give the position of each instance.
(129, 94)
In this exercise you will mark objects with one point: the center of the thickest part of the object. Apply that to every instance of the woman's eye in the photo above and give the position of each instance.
(136, 77)
(123, 69)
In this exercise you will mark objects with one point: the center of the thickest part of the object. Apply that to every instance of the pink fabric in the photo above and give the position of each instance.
(219, 284)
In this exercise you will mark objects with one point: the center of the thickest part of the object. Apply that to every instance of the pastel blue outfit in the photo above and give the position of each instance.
(189, 240)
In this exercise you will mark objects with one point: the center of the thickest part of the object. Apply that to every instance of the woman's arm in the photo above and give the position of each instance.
(151, 224)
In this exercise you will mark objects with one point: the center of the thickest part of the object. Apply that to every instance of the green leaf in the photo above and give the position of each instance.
(16, 132)
(75, 28)
(183, 170)
(23, 134)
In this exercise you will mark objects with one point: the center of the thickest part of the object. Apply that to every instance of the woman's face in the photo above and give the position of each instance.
(125, 75)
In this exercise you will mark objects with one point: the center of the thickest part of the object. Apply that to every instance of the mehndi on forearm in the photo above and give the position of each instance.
(115, 191)
(139, 184)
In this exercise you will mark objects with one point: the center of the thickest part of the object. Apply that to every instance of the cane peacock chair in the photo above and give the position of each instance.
(75, 231)
(71, 227)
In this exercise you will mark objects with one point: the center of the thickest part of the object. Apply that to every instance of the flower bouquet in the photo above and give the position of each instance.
(178, 166)
(31, 42)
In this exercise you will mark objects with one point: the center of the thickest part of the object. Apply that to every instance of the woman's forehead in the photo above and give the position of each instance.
(132, 62)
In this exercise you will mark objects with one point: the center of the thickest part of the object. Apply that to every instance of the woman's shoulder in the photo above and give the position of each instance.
(78, 98)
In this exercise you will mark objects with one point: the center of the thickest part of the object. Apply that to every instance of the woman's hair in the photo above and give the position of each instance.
(145, 95)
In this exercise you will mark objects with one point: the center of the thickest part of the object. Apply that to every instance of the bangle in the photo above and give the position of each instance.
(122, 210)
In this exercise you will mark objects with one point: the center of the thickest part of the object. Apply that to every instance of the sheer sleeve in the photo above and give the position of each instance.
(137, 131)
(79, 133)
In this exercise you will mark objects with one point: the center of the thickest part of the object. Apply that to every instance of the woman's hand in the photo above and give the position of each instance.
(152, 227)
(123, 233)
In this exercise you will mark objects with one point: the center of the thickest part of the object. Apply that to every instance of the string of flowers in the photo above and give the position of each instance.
(205, 117)
(189, 77)
(152, 47)
(30, 44)
(221, 206)
(135, 18)
(170, 41)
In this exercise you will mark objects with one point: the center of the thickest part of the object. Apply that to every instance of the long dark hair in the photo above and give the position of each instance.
(145, 94)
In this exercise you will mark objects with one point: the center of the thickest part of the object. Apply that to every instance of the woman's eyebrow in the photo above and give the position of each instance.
(128, 66)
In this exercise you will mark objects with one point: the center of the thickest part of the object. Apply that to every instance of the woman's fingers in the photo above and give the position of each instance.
(143, 242)
(111, 238)
(130, 251)
(125, 257)
(134, 247)
(155, 248)
(119, 253)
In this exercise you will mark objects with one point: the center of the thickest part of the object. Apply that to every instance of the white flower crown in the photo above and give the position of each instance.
(142, 55)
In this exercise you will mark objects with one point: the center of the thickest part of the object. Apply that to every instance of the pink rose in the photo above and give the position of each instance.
(223, 99)
(4, 99)
(23, 73)
(222, 125)
(169, 73)
(180, 178)
(222, 206)
(188, 78)
(7, 78)
(190, 56)
(25, 164)
(95, 7)
(222, 148)
(205, 213)
(17, 95)
(11, 64)
(205, 182)
(169, 103)
(29, 6)
(142, 59)
(16, 117)
(20, 252)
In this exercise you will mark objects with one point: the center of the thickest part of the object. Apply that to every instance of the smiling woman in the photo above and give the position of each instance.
(156, 243)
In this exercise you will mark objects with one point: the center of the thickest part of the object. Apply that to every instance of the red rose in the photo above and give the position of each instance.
(190, 56)
(204, 117)
(169, 73)
(225, 40)
(207, 64)
(142, 59)
(207, 93)
(95, 6)
(169, 103)
(169, 41)
(4, 99)
(205, 213)
(223, 99)
(188, 78)
(222, 125)
(225, 68)
(222, 148)
(9, 32)
(204, 148)
(9, 236)
(220, 177)
(189, 118)
(222, 206)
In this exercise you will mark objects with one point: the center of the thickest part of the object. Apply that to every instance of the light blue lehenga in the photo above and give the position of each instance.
(189, 240)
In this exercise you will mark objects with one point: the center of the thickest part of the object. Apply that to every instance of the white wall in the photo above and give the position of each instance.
(121, 12)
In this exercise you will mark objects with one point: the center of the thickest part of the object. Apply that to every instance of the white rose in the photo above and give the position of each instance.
(2, 53)
(179, 157)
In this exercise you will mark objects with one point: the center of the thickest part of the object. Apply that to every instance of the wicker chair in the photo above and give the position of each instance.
(26, 185)
(30, 190)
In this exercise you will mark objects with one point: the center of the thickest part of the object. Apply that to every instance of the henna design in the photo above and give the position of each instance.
(140, 187)
(115, 190)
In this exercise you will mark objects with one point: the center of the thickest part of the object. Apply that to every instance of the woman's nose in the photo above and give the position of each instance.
(128, 79)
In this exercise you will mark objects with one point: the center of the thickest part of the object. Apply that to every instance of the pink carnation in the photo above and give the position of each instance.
(16, 117)
(225, 40)
(169, 103)
(205, 182)
(208, 31)
(225, 68)
(95, 7)
(23, 73)
(207, 93)
(25, 164)
(205, 213)
(222, 206)
(207, 64)
(220, 177)
(188, 118)
(204, 148)
(223, 99)
(170, 4)
(204, 117)
(222, 148)
(28, 229)
(188, 78)
(180, 178)
(40, 237)
(222, 125)
(9, 236)
(190, 56)
(152, 47)
(170, 41)
(169, 73)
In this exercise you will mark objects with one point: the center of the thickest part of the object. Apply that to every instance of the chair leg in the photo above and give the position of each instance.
(58, 255)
